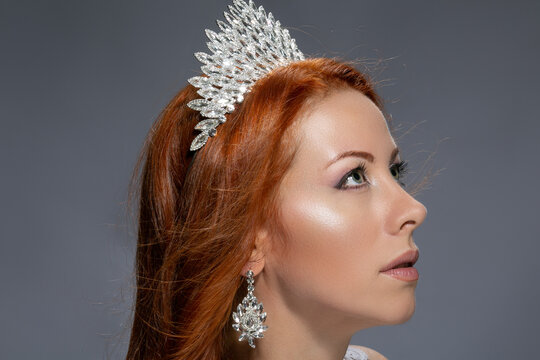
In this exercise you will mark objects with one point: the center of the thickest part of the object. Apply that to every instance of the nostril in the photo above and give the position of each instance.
(412, 222)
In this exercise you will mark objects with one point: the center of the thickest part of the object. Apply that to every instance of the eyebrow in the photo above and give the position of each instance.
(364, 154)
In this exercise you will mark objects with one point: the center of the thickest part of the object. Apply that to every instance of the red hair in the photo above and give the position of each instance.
(199, 212)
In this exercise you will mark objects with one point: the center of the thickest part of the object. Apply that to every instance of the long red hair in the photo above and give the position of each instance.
(199, 212)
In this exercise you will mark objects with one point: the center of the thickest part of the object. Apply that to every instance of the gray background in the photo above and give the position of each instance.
(81, 83)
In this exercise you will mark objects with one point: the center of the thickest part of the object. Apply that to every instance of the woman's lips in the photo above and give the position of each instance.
(405, 274)
(402, 266)
(408, 257)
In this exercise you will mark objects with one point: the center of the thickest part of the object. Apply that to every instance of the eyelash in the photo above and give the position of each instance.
(401, 167)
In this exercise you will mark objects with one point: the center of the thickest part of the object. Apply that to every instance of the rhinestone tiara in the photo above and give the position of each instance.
(250, 46)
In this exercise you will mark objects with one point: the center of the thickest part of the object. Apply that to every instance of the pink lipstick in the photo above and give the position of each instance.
(401, 268)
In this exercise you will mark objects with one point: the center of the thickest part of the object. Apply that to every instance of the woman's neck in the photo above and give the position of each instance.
(295, 331)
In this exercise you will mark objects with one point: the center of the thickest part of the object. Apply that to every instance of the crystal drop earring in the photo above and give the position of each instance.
(249, 315)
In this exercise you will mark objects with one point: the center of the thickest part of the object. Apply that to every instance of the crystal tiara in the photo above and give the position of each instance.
(250, 46)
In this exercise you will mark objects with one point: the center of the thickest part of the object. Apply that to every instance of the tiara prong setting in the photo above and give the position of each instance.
(250, 45)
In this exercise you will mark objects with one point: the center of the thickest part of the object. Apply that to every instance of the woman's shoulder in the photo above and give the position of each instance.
(372, 354)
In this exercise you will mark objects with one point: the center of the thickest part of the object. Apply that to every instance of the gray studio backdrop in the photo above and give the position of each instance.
(82, 81)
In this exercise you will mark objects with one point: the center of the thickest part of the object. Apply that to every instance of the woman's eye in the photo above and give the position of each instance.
(398, 170)
(355, 178)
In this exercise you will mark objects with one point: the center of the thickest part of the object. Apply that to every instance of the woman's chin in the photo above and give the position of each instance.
(399, 311)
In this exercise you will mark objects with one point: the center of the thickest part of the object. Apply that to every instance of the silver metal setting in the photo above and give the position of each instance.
(249, 316)
(249, 46)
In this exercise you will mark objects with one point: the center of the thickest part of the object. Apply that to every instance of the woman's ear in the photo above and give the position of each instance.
(258, 254)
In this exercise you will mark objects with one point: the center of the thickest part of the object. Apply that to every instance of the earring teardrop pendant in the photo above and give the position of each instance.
(249, 316)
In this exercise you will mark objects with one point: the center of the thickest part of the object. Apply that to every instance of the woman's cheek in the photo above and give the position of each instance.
(315, 216)
(320, 234)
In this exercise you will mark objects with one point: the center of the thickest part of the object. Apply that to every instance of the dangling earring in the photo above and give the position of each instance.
(249, 315)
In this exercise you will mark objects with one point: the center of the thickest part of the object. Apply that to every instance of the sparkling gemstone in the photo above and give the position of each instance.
(199, 141)
(207, 124)
(251, 321)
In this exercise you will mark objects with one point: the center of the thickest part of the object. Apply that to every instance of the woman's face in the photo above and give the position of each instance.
(344, 225)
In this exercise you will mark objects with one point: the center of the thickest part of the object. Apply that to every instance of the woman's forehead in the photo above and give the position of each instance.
(344, 120)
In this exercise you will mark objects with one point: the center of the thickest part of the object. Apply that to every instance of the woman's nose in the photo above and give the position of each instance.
(415, 215)
(406, 212)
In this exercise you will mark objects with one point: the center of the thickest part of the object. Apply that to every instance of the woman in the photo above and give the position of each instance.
(295, 184)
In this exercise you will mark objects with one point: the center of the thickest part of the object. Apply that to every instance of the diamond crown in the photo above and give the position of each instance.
(248, 47)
